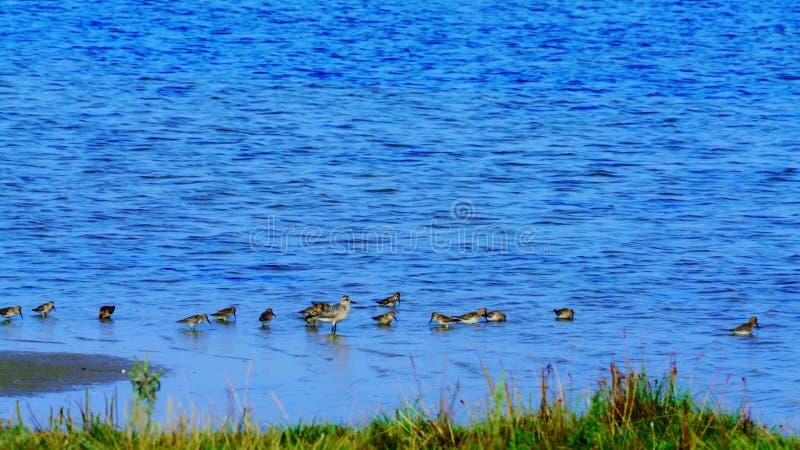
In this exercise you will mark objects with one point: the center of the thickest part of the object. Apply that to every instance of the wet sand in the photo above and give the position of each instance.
(27, 373)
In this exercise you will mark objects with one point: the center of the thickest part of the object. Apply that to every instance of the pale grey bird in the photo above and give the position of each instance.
(333, 314)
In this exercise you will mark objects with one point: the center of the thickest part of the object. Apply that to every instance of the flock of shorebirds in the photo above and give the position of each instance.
(333, 314)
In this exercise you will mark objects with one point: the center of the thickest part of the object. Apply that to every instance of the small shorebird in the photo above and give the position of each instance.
(385, 319)
(224, 313)
(443, 320)
(333, 314)
(11, 311)
(746, 328)
(106, 312)
(564, 314)
(390, 300)
(45, 308)
(266, 316)
(315, 309)
(195, 320)
(496, 316)
(472, 317)
(312, 319)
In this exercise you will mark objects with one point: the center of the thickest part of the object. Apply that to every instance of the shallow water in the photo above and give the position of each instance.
(636, 162)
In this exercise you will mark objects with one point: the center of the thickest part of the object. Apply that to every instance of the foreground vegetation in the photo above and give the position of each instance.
(626, 410)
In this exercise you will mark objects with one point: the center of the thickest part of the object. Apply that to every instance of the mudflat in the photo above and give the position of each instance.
(26, 373)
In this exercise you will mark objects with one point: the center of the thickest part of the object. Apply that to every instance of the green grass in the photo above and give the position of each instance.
(626, 410)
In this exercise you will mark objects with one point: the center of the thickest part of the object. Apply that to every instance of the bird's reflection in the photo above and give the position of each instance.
(197, 340)
(106, 328)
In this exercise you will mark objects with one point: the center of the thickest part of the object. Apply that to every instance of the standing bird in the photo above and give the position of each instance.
(315, 309)
(333, 314)
(224, 313)
(45, 308)
(564, 314)
(496, 316)
(385, 319)
(106, 312)
(472, 317)
(312, 319)
(746, 329)
(11, 311)
(390, 300)
(443, 320)
(266, 316)
(195, 320)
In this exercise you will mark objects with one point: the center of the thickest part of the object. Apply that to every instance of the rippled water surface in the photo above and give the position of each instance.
(635, 161)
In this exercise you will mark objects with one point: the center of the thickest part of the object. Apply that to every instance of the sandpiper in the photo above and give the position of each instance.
(472, 317)
(333, 314)
(390, 300)
(495, 316)
(746, 329)
(224, 313)
(266, 316)
(106, 312)
(11, 311)
(195, 320)
(443, 320)
(45, 308)
(385, 319)
(315, 309)
(564, 314)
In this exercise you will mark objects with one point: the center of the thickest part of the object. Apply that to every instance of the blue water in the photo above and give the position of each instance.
(635, 161)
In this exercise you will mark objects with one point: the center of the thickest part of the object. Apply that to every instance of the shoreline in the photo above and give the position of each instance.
(628, 409)
(25, 373)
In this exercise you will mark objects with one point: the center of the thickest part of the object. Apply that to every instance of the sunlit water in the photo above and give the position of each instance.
(636, 161)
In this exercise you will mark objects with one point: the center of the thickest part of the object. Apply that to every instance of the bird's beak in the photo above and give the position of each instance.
(395, 319)
(758, 326)
(430, 320)
(352, 302)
